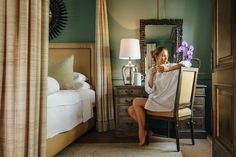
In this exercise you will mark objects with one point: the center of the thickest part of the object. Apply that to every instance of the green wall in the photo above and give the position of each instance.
(124, 16)
(80, 26)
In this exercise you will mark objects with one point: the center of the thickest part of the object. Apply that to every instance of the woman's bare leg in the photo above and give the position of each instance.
(138, 106)
(132, 113)
(131, 110)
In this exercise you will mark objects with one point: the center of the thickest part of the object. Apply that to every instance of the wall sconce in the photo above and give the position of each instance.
(129, 49)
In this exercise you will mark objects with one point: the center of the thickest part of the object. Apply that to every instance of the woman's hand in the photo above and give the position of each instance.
(153, 71)
(163, 68)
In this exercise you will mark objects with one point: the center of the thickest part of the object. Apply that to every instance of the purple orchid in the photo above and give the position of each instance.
(185, 52)
(181, 49)
(184, 44)
(191, 48)
(190, 53)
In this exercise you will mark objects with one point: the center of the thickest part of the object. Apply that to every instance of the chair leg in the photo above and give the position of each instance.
(191, 129)
(147, 129)
(177, 135)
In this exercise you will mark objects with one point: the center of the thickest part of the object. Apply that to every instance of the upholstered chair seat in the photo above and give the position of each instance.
(182, 113)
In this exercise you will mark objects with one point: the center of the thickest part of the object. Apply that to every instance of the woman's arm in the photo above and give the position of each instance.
(164, 68)
(153, 71)
(174, 67)
(150, 77)
(179, 65)
(150, 81)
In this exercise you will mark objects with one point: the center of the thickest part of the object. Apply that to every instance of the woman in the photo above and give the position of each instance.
(160, 84)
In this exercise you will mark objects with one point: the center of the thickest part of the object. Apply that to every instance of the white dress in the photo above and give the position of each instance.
(162, 94)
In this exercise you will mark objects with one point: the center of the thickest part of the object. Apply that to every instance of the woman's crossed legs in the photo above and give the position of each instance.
(137, 112)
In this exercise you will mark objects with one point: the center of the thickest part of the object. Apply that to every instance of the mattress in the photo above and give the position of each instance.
(68, 108)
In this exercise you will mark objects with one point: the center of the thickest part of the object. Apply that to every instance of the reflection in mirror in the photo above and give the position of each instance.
(156, 35)
(159, 32)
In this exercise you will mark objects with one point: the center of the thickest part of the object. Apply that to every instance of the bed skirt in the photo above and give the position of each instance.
(60, 141)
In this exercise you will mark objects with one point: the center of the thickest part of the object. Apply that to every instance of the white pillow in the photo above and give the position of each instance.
(78, 77)
(82, 85)
(53, 85)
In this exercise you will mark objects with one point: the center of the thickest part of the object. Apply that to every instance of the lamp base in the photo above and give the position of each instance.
(128, 73)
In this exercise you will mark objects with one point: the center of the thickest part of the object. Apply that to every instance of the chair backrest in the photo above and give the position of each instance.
(185, 89)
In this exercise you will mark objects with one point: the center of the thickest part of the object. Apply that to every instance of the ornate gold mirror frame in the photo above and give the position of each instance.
(176, 35)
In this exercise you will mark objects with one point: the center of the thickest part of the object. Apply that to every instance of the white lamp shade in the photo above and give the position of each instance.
(129, 48)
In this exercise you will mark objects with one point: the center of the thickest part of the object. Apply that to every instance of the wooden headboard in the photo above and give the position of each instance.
(84, 60)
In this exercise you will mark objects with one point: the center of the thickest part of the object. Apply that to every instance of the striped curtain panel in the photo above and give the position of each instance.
(23, 77)
(104, 102)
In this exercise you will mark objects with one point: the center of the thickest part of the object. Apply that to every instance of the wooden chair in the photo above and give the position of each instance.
(183, 104)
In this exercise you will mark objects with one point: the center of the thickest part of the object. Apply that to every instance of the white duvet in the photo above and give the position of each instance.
(68, 108)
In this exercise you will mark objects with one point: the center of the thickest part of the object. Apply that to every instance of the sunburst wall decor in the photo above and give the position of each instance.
(57, 18)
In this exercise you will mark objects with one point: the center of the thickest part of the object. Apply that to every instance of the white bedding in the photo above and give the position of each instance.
(68, 108)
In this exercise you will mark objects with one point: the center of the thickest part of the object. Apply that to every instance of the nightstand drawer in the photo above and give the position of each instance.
(125, 100)
(124, 126)
(129, 92)
(126, 123)
(198, 111)
(199, 100)
(122, 110)
(200, 91)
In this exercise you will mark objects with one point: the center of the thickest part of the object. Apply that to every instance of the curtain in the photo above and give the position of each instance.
(104, 102)
(23, 77)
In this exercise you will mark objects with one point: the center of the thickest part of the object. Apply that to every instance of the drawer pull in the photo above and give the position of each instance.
(128, 101)
(128, 91)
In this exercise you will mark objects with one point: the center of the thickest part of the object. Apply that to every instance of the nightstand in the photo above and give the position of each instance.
(127, 128)
(198, 115)
(124, 95)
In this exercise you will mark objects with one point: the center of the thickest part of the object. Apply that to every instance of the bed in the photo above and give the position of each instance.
(62, 136)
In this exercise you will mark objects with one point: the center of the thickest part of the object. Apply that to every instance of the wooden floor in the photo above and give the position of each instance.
(202, 147)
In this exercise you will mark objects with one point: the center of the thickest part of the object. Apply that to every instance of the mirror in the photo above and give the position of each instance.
(155, 32)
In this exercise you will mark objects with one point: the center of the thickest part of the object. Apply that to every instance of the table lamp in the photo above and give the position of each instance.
(129, 49)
